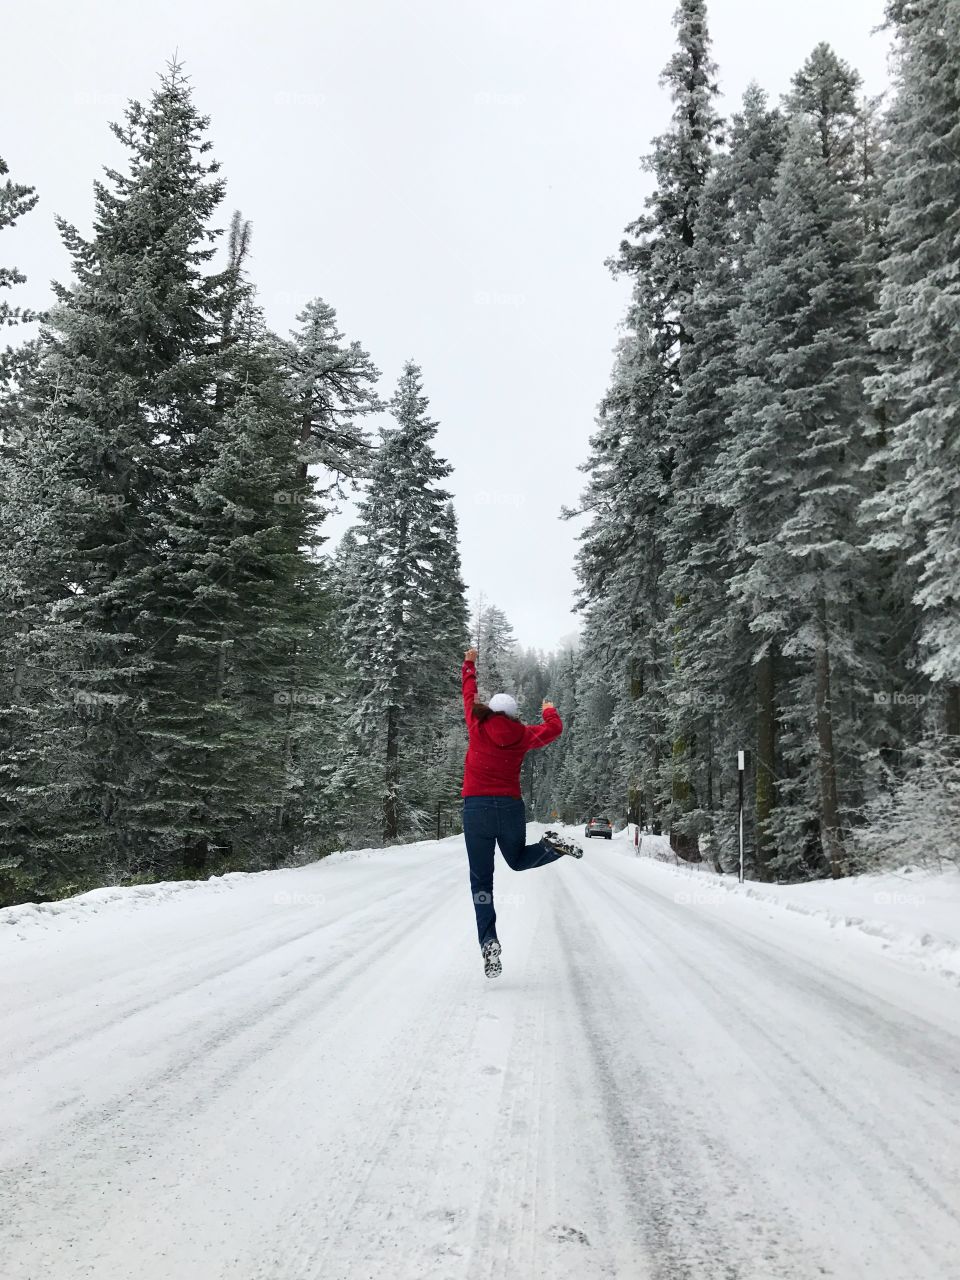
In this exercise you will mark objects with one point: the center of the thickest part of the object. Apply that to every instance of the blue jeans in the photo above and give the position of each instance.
(489, 821)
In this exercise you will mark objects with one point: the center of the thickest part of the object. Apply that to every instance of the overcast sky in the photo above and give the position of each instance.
(450, 176)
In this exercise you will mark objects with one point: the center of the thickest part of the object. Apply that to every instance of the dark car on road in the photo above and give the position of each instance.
(599, 827)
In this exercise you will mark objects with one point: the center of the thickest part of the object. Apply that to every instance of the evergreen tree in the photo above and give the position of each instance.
(620, 564)
(333, 385)
(438, 740)
(15, 201)
(495, 649)
(793, 467)
(127, 371)
(23, 525)
(556, 797)
(170, 597)
(598, 773)
(659, 253)
(917, 339)
(347, 777)
(710, 702)
(241, 598)
(406, 625)
(661, 257)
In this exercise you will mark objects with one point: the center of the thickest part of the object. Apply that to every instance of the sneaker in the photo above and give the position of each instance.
(551, 840)
(491, 958)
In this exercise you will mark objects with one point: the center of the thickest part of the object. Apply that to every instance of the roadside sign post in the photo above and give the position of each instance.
(740, 764)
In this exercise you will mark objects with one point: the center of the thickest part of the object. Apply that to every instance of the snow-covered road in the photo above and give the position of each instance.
(304, 1074)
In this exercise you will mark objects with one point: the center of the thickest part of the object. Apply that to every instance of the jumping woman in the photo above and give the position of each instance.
(493, 812)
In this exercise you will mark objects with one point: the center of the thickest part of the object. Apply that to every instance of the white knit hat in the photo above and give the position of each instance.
(505, 703)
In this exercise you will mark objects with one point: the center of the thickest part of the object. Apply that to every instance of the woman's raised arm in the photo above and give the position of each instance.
(468, 678)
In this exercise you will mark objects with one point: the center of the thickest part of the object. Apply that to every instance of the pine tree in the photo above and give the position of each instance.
(661, 257)
(126, 376)
(713, 680)
(333, 384)
(556, 796)
(183, 600)
(793, 468)
(407, 623)
(15, 201)
(240, 596)
(346, 798)
(496, 644)
(917, 338)
(659, 253)
(445, 615)
(24, 519)
(619, 565)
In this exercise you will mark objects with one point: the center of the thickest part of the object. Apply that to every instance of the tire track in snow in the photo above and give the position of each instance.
(663, 1190)
(643, 1096)
(398, 1134)
(121, 1120)
(123, 1011)
(925, 1047)
(842, 1129)
(508, 1231)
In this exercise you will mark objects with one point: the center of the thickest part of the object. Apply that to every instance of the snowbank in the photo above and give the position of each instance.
(28, 918)
(111, 898)
(914, 912)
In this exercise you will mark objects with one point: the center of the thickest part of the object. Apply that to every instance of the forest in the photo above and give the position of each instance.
(195, 679)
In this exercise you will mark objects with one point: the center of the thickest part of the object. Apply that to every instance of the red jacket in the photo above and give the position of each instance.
(498, 744)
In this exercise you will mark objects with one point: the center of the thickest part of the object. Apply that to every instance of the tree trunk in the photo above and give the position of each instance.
(195, 854)
(710, 767)
(952, 711)
(391, 815)
(684, 796)
(635, 797)
(280, 809)
(765, 786)
(398, 684)
(829, 805)
(634, 802)
(683, 843)
(306, 433)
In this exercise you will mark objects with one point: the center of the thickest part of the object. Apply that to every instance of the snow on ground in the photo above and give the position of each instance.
(303, 1074)
(913, 912)
(118, 899)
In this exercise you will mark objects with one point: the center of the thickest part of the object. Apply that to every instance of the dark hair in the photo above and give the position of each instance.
(482, 711)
